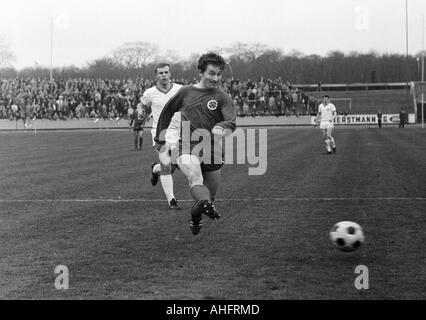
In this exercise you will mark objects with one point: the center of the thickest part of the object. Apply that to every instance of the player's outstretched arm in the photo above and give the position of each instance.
(229, 123)
(334, 115)
(319, 115)
(221, 131)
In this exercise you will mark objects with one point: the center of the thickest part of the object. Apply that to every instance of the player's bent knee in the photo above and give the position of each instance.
(195, 178)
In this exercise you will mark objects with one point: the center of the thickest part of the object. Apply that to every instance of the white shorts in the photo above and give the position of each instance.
(172, 137)
(326, 124)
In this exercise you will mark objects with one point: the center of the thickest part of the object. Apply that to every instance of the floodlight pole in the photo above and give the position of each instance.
(51, 49)
(406, 51)
(423, 70)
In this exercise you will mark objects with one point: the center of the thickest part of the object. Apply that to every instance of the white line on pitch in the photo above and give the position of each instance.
(224, 200)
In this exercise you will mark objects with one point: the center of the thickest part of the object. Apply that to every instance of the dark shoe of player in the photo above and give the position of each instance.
(197, 211)
(154, 176)
(195, 224)
(334, 150)
(216, 214)
(208, 209)
(173, 204)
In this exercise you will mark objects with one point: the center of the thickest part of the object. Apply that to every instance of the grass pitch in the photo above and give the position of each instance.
(83, 199)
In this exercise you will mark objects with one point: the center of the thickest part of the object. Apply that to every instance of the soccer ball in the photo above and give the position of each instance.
(347, 235)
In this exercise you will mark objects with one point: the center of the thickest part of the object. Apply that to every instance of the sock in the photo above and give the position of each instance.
(157, 168)
(327, 145)
(167, 184)
(200, 192)
(196, 210)
(333, 144)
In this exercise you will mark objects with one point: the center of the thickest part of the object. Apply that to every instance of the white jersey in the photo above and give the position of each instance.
(326, 112)
(157, 99)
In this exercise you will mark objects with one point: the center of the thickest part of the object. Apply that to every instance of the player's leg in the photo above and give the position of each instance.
(190, 167)
(140, 138)
(166, 169)
(155, 173)
(155, 167)
(212, 181)
(135, 141)
(331, 139)
(326, 140)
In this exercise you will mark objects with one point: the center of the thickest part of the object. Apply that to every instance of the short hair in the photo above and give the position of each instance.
(210, 58)
(161, 65)
(326, 96)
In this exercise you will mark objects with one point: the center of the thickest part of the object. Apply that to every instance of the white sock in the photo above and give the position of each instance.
(333, 144)
(167, 184)
(327, 145)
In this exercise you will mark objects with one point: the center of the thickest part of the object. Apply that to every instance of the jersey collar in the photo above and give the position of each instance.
(164, 91)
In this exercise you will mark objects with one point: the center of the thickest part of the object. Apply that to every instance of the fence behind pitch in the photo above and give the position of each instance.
(368, 102)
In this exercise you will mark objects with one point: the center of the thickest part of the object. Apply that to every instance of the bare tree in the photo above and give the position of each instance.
(246, 51)
(135, 54)
(171, 56)
(190, 63)
(7, 57)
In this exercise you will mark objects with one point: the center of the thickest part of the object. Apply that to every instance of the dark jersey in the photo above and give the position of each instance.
(138, 119)
(203, 108)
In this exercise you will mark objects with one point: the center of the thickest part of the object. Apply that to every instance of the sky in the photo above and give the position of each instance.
(85, 30)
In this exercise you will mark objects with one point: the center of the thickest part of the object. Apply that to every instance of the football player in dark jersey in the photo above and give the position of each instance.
(204, 108)
(137, 122)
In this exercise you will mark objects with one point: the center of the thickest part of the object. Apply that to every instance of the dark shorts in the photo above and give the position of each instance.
(211, 162)
(210, 167)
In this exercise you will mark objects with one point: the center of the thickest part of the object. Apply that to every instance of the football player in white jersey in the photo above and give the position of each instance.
(155, 98)
(325, 117)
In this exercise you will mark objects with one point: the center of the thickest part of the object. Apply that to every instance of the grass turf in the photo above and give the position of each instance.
(83, 199)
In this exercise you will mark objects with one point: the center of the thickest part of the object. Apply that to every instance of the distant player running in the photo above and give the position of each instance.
(155, 99)
(137, 122)
(206, 109)
(325, 117)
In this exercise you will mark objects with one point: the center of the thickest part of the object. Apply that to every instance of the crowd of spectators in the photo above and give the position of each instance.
(270, 97)
(113, 99)
(70, 98)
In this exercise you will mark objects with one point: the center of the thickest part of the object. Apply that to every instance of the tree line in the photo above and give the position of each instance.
(245, 61)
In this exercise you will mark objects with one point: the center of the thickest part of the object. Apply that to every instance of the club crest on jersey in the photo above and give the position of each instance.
(212, 104)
